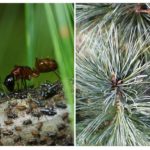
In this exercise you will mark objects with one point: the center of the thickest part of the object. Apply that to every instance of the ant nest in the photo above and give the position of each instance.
(36, 116)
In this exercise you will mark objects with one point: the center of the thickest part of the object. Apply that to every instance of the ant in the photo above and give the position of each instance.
(24, 73)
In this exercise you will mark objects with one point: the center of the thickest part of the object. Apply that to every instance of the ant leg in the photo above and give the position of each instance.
(57, 74)
(22, 84)
(18, 85)
(25, 84)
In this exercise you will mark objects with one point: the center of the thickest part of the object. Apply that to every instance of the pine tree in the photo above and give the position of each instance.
(113, 100)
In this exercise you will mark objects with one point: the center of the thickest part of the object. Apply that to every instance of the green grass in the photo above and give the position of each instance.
(30, 31)
(63, 51)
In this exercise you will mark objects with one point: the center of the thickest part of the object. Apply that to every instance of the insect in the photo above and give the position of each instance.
(61, 105)
(61, 134)
(25, 73)
(35, 133)
(13, 103)
(43, 140)
(12, 115)
(7, 132)
(39, 126)
(61, 126)
(1, 144)
(49, 90)
(22, 73)
(51, 134)
(51, 143)
(18, 128)
(36, 114)
(48, 111)
(8, 122)
(32, 141)
(65, 115)
(39, 103)
(21, 107)
(17, 138)
(27, 122)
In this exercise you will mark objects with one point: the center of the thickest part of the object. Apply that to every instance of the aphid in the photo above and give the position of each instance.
(8, 122)
(33, 105)
(21, 107)
(7, 132)
(61, 105)
(48, 111)
(36, 114)
(43, 140)
(69, 143)
(1, 144)
(69, 140)
(8, 109)
(61, 134)
(17, 138)
(61, 126)
(32, 141)
(65, 115)
(35, 133)
(12, 115)
(58, 97)
(39, 126)
(49, 90)
(39, 103)
(13, 104)
(28, 111)
(18, 128)
(51, 143)
(27, 122)
(51, 134)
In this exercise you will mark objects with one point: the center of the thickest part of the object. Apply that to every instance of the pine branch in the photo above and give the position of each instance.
(91, 16)
(113, 77)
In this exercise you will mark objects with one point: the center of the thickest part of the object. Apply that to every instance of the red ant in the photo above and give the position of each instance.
(24, 73)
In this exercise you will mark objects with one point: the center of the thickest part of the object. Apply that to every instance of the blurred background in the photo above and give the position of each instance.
(28, 31)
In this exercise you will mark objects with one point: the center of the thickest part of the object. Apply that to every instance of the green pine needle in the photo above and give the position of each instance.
(113, 106)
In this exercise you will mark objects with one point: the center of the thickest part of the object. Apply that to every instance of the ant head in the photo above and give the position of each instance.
(53, 65)
(10, 82)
